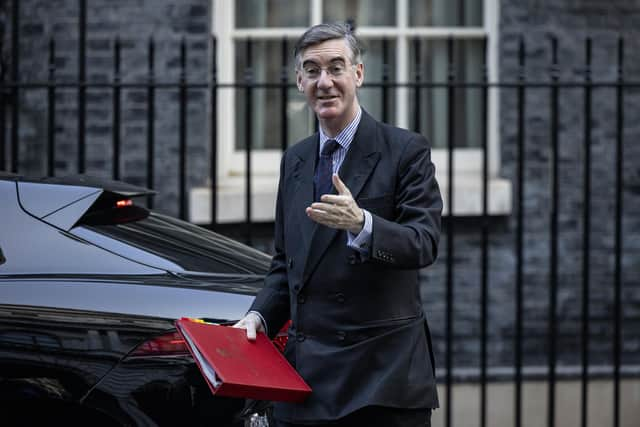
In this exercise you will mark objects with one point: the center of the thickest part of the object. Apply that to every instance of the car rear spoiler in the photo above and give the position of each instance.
(116, 187)
(65, 202)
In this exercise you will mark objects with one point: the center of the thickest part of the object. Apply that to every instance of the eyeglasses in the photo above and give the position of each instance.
(335, 70)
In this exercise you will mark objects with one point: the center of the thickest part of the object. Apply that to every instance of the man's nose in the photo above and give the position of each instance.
(325, 80)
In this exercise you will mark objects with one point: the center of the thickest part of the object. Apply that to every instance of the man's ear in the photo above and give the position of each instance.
(299, 81)
(359, 74)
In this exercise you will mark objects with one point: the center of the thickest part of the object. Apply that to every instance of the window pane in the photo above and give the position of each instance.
(362, 12)
(445, 13)
(272, 13)
(468, 108)
(266, 103)
(371, 94)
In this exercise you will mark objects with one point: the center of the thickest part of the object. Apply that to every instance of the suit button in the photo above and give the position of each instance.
(341, 335)
(290, 263)
(353, 260)
(301, 299)
(300, 337)
(340, 298)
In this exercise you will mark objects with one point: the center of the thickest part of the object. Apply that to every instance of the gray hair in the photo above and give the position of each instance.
(322, 32)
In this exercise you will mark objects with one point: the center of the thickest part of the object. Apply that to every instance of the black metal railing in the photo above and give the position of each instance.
(12, 87)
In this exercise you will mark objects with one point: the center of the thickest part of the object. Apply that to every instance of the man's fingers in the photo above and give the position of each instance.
(339, 200)
(342, 189)
(319, 216)
(324, 207)
(252, 324)
(251, 331)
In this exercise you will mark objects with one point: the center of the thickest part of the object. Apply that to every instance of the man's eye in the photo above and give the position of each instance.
(336, 70)
(312, 71)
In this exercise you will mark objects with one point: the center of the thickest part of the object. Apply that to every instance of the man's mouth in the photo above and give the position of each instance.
(326, 97)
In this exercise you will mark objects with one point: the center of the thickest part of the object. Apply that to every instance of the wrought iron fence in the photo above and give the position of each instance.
(519, 87)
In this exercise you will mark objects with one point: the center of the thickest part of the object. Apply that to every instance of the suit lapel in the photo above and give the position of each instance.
(302, 176)
(359, 163)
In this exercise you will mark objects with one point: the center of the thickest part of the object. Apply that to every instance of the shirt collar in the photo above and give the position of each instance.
(345, 136)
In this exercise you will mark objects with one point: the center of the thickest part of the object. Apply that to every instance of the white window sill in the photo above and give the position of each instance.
(231, 199)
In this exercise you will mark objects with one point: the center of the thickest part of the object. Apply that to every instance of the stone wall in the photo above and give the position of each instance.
(134, 23)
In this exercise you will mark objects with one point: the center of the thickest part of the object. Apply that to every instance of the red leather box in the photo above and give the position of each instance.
(236, 367)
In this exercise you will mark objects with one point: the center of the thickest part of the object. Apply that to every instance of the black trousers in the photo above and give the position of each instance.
(373, 416)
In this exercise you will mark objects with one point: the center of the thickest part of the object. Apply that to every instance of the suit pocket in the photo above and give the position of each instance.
(392, 321)
(380, 205)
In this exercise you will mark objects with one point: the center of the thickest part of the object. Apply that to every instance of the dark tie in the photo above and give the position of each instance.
(322, 180)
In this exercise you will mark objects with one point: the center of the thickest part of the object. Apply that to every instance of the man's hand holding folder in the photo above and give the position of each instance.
(237, 367)
(252, 323)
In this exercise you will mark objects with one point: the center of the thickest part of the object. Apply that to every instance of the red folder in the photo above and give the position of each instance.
(236, 367)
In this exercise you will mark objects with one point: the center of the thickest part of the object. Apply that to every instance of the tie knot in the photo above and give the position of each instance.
(329, 147)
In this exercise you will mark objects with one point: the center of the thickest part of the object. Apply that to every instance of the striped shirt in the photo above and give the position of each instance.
(344, 138)
(362, 241)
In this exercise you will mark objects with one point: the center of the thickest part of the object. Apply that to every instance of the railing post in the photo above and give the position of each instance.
(116, 110)
(586, 243)
(182, 167)
(82, 53)
(248, 77)
(450, 232)
(485, 241)
(15, 93)
(51, 111)
(553, 279)
(417, 113)
(213, 171)
(151, 105)
(284, 96)
(385, 80)
(617, 307)
(3, 123)
(520, 235)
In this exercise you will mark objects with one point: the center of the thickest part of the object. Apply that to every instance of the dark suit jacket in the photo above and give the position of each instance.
(359, 336)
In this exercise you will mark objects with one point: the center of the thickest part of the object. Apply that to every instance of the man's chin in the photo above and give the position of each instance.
(325, 113)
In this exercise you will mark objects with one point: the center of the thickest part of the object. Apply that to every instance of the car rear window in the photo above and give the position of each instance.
(172, 244)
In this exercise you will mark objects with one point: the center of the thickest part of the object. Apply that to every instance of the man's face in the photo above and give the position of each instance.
(329, 80)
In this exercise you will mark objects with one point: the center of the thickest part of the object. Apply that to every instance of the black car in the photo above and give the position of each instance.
(90, 285)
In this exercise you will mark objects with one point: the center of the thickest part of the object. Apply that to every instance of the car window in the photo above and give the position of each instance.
(175, 245)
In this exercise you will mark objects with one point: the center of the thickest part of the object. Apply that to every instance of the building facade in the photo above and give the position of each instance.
(408, 41)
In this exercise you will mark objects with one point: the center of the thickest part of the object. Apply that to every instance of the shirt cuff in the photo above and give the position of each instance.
(362, 242)
(264, 324)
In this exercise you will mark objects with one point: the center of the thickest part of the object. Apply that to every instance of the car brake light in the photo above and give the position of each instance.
(280, 341)
(112, 209)
(172, 344)
(124, 203)
(169, 344)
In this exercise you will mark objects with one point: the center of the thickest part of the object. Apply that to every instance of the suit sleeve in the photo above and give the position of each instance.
(411, 240)
(272, 302)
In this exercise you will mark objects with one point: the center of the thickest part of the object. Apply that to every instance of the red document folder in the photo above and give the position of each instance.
(236, 367)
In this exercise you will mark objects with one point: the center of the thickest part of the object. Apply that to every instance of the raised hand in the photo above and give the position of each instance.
(337, 210)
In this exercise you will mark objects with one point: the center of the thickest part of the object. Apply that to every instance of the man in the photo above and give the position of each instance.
(345, 269)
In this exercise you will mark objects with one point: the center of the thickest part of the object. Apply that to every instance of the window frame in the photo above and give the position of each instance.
(265, 162)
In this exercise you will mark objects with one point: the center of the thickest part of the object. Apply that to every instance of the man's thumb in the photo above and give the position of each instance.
(342, 189)
(251, 331)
